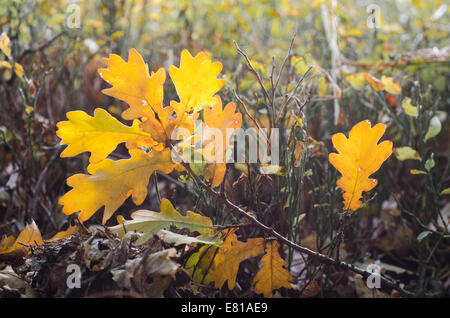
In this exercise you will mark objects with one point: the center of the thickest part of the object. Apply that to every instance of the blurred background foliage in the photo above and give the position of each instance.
(56, 47)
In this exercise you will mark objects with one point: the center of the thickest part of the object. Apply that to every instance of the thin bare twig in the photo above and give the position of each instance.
(318, 256)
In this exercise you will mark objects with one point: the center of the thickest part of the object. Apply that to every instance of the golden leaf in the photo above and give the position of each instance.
(374, 82)
(99, 135)
(390, 86)
(5, 44)
(216, 118)
(273, 274)
(298, 153)
(359, 157)
(132, 84)
(226, 262)
(111, 182)
(64, 234)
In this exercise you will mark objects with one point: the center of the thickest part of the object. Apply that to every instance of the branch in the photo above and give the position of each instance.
(321, 257)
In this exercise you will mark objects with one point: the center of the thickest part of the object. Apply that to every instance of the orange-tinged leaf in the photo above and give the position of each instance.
(222, 119)
(392, 101)
(226, 262)
(273, 274)
(30, 236)
(132, 83)
(64, 234)
(196, 82)
(111, 182)
(359, 157)
(99, 134)
(374, 82)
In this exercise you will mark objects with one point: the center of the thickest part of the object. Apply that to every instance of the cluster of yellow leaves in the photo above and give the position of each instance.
(109, 183)
(30, 236)
(220, 264)
(359, 157)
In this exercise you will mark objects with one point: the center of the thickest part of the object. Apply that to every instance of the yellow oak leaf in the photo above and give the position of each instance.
(196, 82)
(359, 157)
(99, 134)
(273, 274)
(30, 236)
(111, 182)
(226, 261)
(217, 121)
(390, 86)
(150, 222)
(132, 84)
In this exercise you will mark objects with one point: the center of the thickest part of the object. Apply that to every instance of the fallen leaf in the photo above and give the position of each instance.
(273, 273)
(30, 236)
(150, 222)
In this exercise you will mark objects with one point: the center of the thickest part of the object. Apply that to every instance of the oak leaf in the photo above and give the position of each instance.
(359, 157)
(196, 82)
(110, 183)
(273, 274)
(221, 119)
(99, 134)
